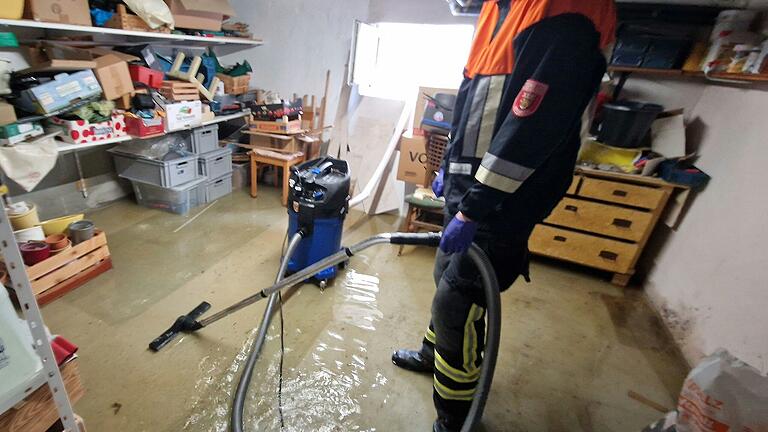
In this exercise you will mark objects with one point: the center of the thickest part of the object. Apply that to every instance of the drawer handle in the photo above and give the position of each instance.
(572, 208)
(219, 159)
(622, 223)
(560, 238)
(609, 255)
(182, 164)
(619, 193)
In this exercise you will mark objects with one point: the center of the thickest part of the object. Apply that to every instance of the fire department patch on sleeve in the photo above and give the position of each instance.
(529, 99)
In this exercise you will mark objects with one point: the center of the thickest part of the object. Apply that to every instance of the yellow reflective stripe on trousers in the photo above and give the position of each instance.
(430, 335)
(454, 374)
(470, 339)
(446, 393)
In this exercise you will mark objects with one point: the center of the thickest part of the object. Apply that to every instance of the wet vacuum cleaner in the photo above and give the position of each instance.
(318, 203)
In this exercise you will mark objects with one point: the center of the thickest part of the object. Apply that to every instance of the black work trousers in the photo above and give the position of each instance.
(455, 338)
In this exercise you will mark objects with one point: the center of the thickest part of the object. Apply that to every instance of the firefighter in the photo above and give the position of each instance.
(534, 67)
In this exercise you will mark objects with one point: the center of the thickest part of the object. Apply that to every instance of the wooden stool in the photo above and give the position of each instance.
(275, 157)
(423, 214)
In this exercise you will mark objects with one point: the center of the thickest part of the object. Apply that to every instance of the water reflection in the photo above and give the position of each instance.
(325, 387)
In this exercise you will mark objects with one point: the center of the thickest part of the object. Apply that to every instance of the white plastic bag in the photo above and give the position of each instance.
(154, 12)
(723, 394)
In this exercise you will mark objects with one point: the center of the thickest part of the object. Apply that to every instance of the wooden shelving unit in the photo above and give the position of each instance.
(688, 74)
(132, 34)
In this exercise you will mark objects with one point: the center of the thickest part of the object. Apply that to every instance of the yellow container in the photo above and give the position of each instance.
(24, 220)
(59, 225)
(12, 9)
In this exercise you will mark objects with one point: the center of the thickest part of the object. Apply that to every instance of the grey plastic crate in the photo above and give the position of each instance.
(204, 139)
(216, 163)
(179, 199)
(218, 187)
(170, 173)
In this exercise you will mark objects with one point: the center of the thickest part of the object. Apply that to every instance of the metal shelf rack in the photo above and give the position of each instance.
(31, 310)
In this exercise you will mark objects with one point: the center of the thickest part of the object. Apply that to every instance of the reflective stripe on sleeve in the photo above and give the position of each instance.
(497, 181)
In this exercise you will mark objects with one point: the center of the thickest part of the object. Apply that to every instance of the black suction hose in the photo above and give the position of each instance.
(238, 403)
(475, 253)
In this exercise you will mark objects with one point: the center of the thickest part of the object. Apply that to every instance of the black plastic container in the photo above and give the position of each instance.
(626, 123)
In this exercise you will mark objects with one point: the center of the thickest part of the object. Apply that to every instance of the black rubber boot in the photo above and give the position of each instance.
(413, 361)
(441, 425)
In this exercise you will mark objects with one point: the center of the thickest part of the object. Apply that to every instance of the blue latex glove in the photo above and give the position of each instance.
(458, 235)
(437, 184)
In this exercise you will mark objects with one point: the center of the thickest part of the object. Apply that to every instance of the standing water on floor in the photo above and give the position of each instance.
(326, 386)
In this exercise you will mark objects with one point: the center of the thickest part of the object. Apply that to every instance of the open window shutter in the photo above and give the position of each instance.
(364, 54)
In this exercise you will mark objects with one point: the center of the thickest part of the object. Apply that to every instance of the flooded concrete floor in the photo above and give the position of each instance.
(573, 345)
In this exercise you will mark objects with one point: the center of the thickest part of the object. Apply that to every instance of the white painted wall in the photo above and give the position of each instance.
(415, 11)
(709, 280)
(303, 39)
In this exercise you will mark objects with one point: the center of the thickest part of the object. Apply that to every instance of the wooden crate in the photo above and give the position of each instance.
(62, 273)
(122, 19)
(37, 413)
(235, 85)
(178, 91)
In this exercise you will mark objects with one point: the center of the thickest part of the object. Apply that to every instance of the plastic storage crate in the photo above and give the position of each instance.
(170, 173)
(179, 199)
(216, 163)
(204, 139)
(217, 188)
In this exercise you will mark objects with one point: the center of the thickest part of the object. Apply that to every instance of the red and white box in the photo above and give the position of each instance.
(82, 132)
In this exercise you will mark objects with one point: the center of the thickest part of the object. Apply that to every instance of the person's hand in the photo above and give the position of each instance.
(458, 235)
(437, 184)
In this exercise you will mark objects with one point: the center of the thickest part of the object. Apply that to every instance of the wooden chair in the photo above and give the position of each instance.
(425, 213)
(278, 158)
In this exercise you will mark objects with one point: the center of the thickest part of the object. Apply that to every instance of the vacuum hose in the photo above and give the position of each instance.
(238, 403)
(475, 253)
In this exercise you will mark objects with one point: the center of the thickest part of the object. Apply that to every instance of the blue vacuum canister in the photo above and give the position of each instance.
(318, 202)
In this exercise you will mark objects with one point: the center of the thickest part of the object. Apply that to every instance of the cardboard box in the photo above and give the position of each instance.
(278, 127)
(668, 134)
(47, 56)
(60, 92)
(412, 167)
(61, 11)
(141, 128)
(183, 115)
(81, 131)
(15, 133)
(113, 76)
(7, 114)
(200, 14)
(421, 102)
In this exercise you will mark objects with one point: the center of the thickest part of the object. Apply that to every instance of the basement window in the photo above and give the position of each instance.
(391, 60)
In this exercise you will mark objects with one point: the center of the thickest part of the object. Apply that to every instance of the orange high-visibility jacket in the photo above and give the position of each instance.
(517, 118)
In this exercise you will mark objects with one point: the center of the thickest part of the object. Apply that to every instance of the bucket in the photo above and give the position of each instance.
(24, 220)
(81, 231)
(29, 234)
(626, 123)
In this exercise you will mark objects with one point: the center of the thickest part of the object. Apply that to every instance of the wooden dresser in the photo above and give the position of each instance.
(604, 221)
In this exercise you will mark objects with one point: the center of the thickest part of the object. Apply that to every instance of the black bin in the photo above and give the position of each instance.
(626, 123)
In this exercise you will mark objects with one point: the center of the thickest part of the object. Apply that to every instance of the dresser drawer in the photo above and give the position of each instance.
(601, 218)
(610, 255)
(574, 185)
(622, 193)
